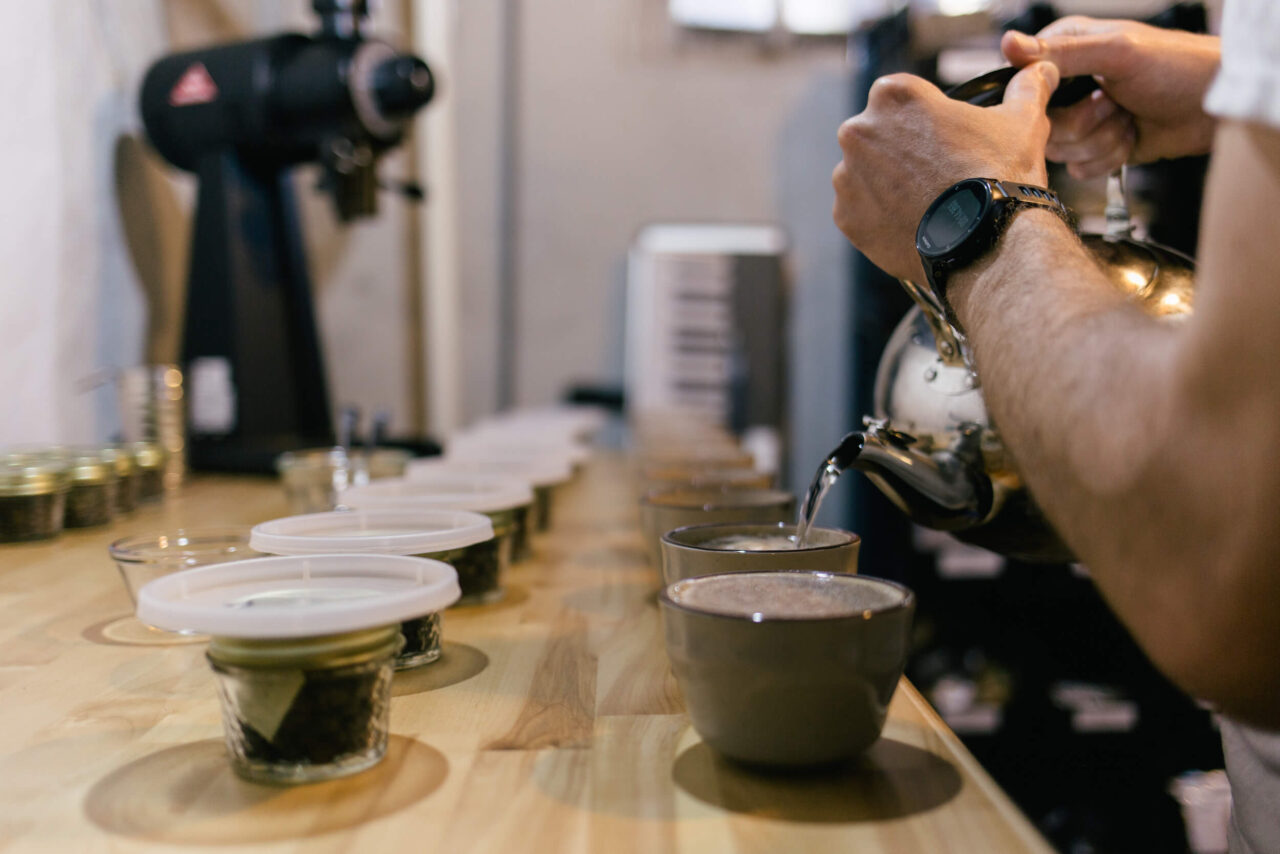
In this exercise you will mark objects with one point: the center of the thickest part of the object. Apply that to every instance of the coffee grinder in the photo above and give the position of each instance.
(240, 116)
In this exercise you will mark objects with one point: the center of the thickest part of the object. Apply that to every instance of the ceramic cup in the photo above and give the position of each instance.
(787, 669)
(740, 547)
(668, 509)
(670, 476)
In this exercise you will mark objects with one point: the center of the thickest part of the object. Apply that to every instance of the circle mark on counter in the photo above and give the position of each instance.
(189, 795)
(128, 630)
(458, 662)
(891, 780)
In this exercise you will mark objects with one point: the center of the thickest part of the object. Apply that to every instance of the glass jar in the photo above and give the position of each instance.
(150, 460)
(544, 473)
(480, 565)
(94, 493)
(315, 478)
(505, 501)
(459, 538)
(297, 710)
(303, 648)
(33, 498)
(127, 491)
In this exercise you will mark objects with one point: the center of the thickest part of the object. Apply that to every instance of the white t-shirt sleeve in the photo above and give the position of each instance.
(1247, 86)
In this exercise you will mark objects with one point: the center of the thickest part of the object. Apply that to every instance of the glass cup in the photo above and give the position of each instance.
(315, 479)
(144, 557)
(740, 547)
(668, 509)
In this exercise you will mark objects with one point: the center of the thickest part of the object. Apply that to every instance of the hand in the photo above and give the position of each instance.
(1153, 84)
(912, 142)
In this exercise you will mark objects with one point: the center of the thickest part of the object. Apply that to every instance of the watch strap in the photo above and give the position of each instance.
(1007, 197)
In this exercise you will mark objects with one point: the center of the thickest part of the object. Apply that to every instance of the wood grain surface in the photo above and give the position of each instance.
(551, 723)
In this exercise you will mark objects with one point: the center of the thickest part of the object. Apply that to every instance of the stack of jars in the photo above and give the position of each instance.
(46, 489)
(305, 641)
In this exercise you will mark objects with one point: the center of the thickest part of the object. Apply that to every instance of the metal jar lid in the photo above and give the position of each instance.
(449, 491)
(121, 458)
(23, 476)
(90, 468)
(147, 455)
(341, 650)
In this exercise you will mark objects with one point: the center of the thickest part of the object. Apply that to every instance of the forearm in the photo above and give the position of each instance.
(1100, 405)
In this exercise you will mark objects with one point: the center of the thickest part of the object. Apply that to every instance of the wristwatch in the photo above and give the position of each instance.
(965, 221)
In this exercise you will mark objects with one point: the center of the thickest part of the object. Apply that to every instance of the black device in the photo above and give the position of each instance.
(966, 220)
(241, 116)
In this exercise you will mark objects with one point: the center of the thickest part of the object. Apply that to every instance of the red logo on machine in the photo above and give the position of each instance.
(195, 86)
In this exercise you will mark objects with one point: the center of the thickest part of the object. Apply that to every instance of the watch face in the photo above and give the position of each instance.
(952, 218)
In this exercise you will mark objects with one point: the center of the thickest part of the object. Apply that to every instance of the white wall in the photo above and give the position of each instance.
(94, 248)
(70, 306)
(622, 124)
(623, 121)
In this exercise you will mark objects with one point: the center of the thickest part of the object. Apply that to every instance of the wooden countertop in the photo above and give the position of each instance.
(552, 723)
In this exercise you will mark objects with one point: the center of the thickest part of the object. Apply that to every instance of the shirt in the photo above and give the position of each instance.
(1247, 88)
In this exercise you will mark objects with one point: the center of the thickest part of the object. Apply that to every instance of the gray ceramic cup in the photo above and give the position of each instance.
(742, 547)
(672, 475)
(667, 509)
(787, 669)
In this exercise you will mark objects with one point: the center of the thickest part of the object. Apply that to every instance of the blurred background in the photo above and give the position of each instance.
(623, 201)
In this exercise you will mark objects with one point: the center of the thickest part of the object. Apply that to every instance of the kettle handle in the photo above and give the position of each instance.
(987, 90)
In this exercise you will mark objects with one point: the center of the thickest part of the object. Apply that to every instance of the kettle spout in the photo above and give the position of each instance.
(946, 490)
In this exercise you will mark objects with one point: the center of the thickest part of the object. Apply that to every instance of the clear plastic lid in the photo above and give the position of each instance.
(477, 493)
(386, 531)
(298, 596)
(503, 440)
(536, 471)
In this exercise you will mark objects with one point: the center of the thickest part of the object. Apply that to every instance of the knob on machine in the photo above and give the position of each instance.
(240, 116)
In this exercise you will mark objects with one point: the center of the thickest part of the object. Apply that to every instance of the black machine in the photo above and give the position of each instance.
(240, 116)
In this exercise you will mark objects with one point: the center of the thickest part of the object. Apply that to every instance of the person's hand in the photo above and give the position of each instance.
(912, 142)
(1153, 84)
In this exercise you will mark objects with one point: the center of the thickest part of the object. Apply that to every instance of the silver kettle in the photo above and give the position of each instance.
(931, 446)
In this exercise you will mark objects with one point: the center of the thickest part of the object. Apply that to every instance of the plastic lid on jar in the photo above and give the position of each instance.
(385, 531)
(536, 471)
(298, 596)
(477, 493)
